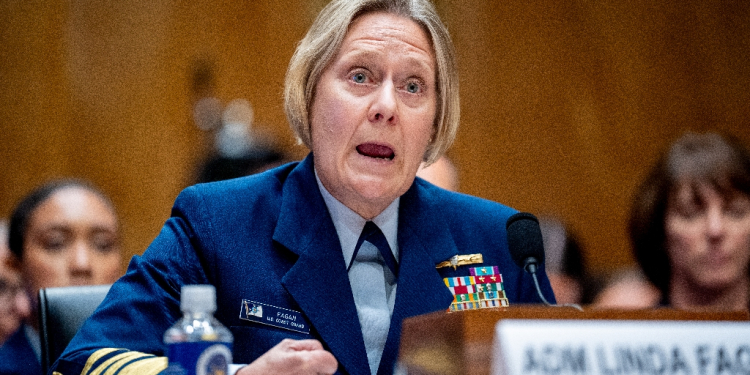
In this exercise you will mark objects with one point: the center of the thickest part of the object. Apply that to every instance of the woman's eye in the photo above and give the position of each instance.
(105, 247)
(688, 213)
(104, 244)
(359, 77)
(412, 87)
(54, 244)
(738, 208)
(688, 210)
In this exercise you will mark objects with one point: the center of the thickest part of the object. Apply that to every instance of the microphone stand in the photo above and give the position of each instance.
(531, 268)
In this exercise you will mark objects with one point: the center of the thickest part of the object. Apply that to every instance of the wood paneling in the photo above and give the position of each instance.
(564, 104)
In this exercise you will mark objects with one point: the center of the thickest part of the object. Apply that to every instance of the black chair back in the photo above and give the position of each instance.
(62, 312)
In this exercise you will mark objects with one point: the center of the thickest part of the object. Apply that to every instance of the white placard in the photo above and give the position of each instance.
(619, 347)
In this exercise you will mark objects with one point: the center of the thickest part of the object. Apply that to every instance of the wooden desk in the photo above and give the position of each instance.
(446, 343)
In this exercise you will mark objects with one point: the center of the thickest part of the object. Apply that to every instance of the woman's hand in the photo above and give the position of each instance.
(293, 357)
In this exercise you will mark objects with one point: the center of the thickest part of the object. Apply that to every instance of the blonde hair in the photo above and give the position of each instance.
(319, 47)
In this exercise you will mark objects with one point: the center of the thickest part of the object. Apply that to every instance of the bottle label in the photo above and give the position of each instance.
(199, 358)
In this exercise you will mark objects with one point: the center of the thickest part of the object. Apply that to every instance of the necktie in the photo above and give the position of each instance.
(367, 279)
(372, 234)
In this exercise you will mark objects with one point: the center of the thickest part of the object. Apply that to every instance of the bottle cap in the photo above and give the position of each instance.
(198, 298)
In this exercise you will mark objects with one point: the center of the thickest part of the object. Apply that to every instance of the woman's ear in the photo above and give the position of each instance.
(12, 262)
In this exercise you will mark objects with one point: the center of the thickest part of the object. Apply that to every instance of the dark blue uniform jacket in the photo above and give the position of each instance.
(269, 238)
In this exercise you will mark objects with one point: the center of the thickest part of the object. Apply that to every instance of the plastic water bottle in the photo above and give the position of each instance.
(198, 344)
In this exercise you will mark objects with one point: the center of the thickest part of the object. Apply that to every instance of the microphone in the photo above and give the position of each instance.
(525, 241)
(527, 248)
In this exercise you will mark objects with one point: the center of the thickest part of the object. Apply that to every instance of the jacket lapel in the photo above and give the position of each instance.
(318, 281)
(424, 240)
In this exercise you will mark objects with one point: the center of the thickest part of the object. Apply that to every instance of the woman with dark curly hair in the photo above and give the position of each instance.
(690, 224)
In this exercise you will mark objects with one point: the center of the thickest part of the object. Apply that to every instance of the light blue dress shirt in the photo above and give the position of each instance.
(363, 280)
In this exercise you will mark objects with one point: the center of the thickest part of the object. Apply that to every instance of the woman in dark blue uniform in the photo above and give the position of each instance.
(347, 241)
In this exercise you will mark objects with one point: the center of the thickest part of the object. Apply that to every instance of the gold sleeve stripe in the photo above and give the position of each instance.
(141, 366)
(116, 361)
(111, 361)
(95, 357)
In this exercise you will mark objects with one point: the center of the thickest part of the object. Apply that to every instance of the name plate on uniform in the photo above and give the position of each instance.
(609, 347)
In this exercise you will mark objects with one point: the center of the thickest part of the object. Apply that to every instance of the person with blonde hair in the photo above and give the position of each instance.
(347, 242)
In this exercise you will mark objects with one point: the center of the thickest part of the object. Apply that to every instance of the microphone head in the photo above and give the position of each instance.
(525, 240)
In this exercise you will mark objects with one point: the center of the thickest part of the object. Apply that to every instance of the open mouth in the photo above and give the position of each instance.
(376, 151)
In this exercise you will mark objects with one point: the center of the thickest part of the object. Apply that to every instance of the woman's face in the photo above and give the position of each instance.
(72, 239)
(373, 113)
(708, 236)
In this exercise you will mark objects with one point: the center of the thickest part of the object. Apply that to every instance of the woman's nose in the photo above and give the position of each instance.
(81, 258)
(22, 305)
(715, 222)
(384, 104)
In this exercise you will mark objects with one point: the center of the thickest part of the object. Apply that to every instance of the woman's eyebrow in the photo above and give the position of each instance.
(54, 228)
(360, 55)
(102, 229)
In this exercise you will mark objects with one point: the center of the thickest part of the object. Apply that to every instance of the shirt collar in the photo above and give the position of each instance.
(349, 224)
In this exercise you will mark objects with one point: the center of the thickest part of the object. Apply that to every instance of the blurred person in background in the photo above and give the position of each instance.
(564, 262)
(14, 305)
(238, 148)
(63, 233)
(627, 288)
(442, 173)
(690, 224)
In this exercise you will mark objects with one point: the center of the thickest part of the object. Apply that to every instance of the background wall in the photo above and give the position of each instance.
(564, 104)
